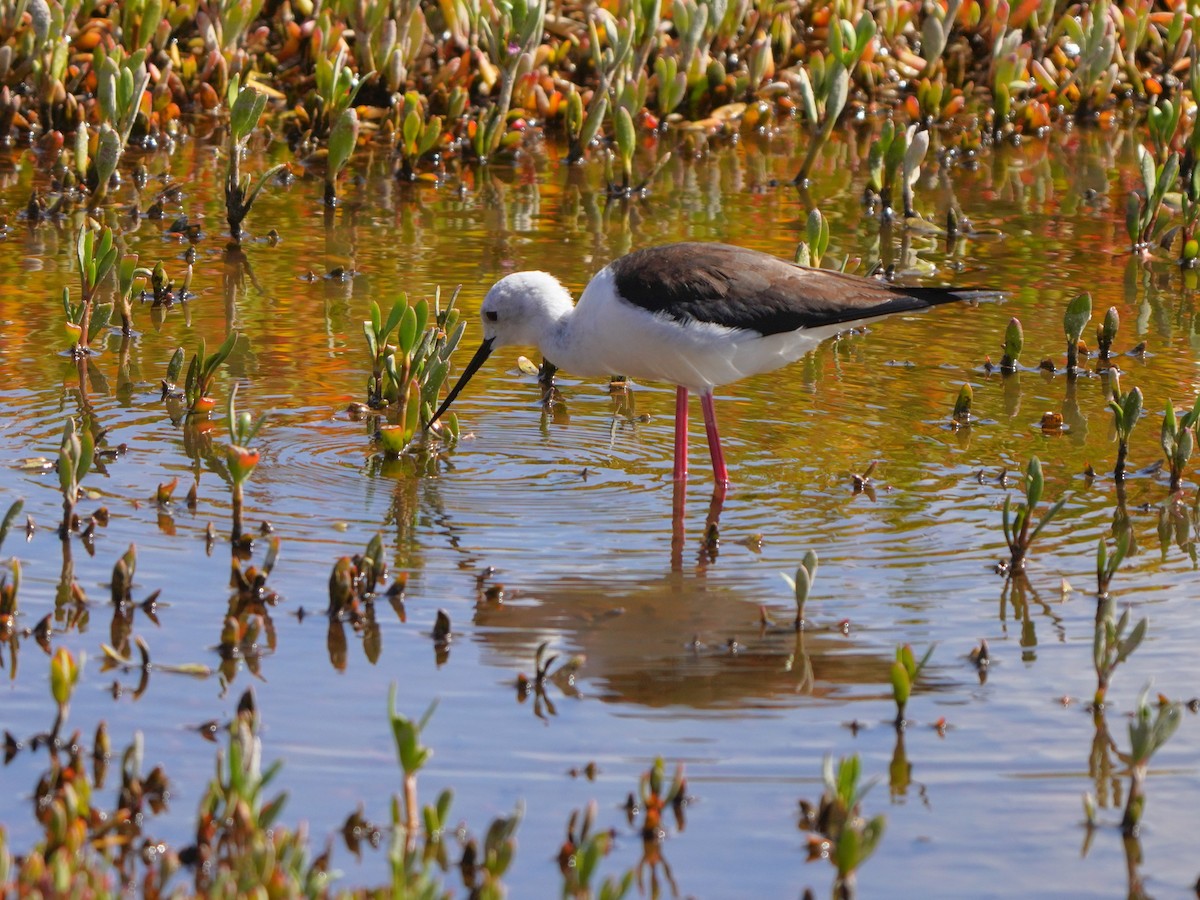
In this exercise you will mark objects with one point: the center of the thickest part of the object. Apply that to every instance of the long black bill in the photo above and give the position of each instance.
(480, 357)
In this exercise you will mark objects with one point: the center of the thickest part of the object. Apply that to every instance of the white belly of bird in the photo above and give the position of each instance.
(606, 336)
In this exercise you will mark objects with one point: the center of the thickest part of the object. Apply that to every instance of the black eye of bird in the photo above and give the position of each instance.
(491, 315)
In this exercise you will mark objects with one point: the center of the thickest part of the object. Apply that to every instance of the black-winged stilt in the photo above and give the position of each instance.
(696, 315)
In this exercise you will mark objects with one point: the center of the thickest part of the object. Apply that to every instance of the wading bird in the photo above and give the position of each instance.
(696, 315)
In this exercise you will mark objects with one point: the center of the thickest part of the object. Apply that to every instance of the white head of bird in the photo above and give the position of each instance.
(522, 308)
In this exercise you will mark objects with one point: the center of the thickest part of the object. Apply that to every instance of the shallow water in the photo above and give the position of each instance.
(572, 509)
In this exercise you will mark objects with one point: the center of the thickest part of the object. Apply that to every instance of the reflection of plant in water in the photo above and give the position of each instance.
(899, 769)
(354, 585)
(1114, 641)
(1022, 595)
(75, 455)
(1180, 522)
(563, 677)
(122, 600)
(838, 831)
(1103, 771)
(248, 618)
(113, 659)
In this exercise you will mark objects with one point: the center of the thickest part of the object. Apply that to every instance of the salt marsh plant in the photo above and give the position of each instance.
(1078, 314)
(961, 414)
(9, 586)
(801, 585)
(356, 580)
(896, 152)
(839, 831)
(1126, 409)
(412, 755)
(824, 83)
(1014, 342)
(237, 838)
(579, 860)
(1148, 732)
(811, 251)
(1106, 333)
(1095, 73)
(1177, 440)
(240, 457)
(904, 674)
(246, 105)
(388, 38)
(1019, 530)
(95, 254)
(1143, 208)
(510, 35)
(1189, 253)
(483, 866)
(10, 517)
(201, 373)
(336, 85)
(342, 138)
(419, 133)
(128, 275)
(582, 125)
(407, 374)
(64, 674)
(121, 82)
(656, 795)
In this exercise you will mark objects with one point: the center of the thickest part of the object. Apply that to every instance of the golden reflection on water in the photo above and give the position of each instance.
(571, 508)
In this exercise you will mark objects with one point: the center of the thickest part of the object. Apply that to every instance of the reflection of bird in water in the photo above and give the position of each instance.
(696, 315)
(675, 642)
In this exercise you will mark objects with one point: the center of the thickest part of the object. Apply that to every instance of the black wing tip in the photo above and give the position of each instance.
(936, 295)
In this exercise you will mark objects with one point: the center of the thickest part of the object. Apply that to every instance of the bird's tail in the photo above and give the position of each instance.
(936, 295)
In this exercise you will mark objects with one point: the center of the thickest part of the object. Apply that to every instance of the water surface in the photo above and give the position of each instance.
(570, 510)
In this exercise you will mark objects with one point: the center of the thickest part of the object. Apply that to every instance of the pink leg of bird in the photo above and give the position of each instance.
(720, 473)
(681, 416)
